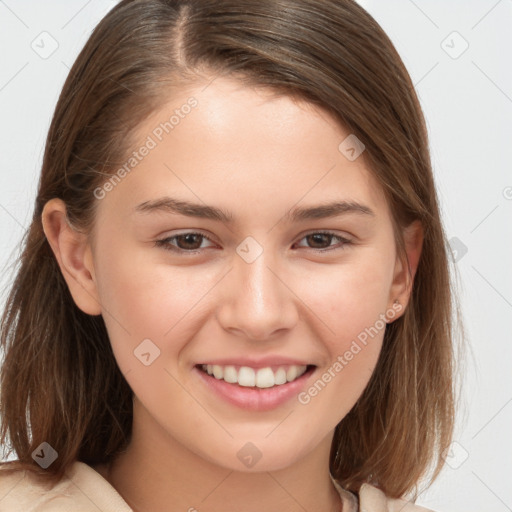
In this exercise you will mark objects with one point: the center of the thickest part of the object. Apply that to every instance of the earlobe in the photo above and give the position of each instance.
(405, 271)
(73, 255)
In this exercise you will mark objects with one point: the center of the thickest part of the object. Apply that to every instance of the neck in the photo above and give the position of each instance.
(157, 473)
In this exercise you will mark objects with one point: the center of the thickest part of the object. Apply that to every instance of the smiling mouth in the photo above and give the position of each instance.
(261, 378)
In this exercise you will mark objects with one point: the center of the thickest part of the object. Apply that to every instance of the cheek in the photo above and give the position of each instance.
(350, 297)
(349, 303)
(142, 295)
(351, 332)
(143, 299)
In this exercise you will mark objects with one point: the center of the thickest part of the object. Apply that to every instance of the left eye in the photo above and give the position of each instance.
(191, 242)
(323, 236)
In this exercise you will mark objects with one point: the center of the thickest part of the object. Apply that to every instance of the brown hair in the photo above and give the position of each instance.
(60, 382)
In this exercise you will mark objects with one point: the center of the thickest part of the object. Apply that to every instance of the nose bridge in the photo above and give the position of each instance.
(257, 302)
(261, 284)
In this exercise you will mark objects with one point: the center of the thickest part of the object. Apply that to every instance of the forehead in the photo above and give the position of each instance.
(246, 149)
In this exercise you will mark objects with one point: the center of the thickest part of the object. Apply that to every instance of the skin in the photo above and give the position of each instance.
(258, 156)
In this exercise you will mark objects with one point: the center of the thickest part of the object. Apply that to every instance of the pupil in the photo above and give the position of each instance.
(317, 237)
(188, 238)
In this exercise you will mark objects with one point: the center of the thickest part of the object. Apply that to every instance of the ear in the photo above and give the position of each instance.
(73, 254)
(405, 271)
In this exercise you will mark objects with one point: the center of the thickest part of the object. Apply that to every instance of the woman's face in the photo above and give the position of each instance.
(209, 251)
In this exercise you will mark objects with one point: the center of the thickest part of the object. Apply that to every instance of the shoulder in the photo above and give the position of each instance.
(82, 489)
(372, 499)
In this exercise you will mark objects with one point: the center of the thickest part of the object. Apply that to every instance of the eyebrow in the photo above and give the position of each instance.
(189, 209)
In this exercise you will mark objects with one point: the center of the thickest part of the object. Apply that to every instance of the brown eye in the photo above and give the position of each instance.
(189, 241)
(185, 242)
(321, 241)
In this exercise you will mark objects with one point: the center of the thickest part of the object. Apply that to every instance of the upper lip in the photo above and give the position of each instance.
(256, 362)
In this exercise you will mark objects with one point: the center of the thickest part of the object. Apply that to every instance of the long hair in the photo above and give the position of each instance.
(60, 383)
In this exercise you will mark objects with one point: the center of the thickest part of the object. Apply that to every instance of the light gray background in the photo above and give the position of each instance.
(467, 99)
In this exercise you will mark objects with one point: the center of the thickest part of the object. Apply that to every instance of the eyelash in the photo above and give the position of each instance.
(165, 244)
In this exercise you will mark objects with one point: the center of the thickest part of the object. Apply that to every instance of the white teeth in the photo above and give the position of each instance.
(291, 374)
(218, 372)
(265, 378)
(280, 376)
(246, 377)
(230, 374)
(250, 377)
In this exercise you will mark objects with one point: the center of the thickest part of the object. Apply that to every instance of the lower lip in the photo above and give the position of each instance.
(255, 399)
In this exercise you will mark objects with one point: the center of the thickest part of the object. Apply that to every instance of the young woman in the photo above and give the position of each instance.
(234, 293)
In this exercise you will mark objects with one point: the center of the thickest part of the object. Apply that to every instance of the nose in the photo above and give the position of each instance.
(257, 302)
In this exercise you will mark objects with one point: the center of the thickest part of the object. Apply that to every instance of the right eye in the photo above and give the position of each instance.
(185, 240)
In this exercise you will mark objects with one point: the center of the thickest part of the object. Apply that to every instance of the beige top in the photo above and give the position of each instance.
(83, 489)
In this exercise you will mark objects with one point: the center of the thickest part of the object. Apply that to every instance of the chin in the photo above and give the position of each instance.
(257, 456)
